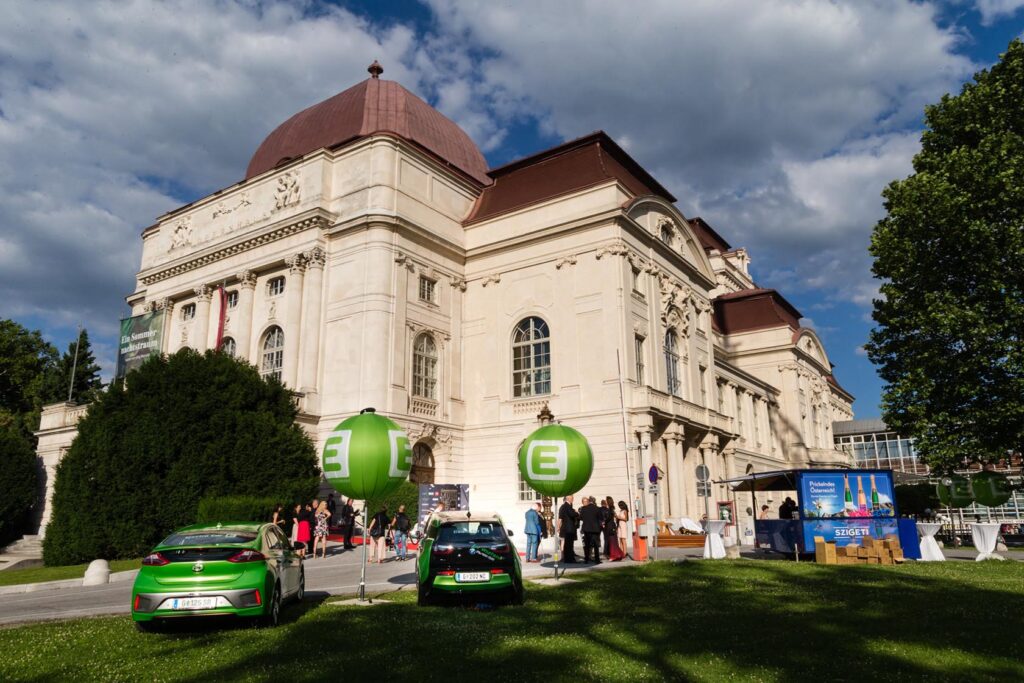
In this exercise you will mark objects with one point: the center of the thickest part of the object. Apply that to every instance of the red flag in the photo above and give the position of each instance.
(223, 297)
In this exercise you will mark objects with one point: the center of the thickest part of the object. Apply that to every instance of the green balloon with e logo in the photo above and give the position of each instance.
(556, 461)
(367, 456)
(954, 491)
(991, 489)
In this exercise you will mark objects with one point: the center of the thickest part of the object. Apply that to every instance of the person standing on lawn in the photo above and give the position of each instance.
(348, 523)
(568, 521)
(400, 527)
(533, 532)
(379, 533)
(590, 515)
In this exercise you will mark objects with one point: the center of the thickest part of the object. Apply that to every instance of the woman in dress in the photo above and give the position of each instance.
(320, 530)
(302, 533)
(278, 517)
(622, 517)
(378, 532)
(611, 531)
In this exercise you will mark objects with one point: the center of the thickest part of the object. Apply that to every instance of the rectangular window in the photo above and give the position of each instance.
(757, 421)
(703, 385)
(526, 494)
(721, 398)
(188, 311)
(638, 349)
(428, 290)
(637, 284)
(232, 299)
(275, 287)
(739, 412)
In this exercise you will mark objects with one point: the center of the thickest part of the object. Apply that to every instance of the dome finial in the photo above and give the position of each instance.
(375, 69)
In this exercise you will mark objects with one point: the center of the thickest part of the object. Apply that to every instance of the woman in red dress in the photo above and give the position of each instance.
(303, 535)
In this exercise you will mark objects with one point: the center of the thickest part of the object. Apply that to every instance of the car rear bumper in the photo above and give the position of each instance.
(241, 602)
(448, 584)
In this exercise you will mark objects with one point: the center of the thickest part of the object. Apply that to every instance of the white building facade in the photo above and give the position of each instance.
(371, 259)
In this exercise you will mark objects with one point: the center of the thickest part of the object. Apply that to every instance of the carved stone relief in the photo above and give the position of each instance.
(287, 192)
(181, 233)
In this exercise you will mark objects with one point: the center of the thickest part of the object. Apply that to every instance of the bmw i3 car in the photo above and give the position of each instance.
(467, 555)
(244, 569)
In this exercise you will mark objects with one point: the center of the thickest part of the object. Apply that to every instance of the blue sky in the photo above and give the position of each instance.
(778, 122)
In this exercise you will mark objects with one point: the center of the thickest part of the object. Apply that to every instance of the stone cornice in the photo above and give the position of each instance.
(313, 219)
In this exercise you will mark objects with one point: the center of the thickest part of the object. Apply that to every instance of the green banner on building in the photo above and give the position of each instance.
(141, 337)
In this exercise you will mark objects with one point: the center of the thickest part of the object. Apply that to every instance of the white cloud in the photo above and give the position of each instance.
(993, 10)
(860, 351)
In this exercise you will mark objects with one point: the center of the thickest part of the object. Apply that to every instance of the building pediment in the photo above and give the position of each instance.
(663, 221)
(809, 345)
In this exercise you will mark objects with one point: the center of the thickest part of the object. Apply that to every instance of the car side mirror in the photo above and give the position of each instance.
(510, 533)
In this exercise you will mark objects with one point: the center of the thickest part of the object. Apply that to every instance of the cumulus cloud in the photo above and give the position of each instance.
(993, 10)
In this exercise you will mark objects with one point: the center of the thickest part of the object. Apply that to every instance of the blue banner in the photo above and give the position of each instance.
(846, 531)
(846, 506)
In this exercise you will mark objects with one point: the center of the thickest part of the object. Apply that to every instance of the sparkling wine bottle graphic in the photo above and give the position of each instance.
(862, 502)
(875, 505)
(848, 496)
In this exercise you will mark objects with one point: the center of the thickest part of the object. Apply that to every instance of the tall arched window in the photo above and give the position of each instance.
(424, 367)
(273, 353)
(228, 346)
(672, 363)
(666, 234)
(531, 358)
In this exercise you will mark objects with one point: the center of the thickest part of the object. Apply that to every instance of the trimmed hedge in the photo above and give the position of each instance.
(18, 483)
(179, 429)
(235, 509)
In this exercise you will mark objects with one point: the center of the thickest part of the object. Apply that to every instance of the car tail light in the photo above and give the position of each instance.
(259, 599)
(135, 605)
(497, 571)
(247, 556)
(446, 572)
(501, 548)
(155, 560)
(444, 550)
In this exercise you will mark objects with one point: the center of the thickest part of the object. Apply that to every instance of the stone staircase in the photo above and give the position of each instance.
(23, 553)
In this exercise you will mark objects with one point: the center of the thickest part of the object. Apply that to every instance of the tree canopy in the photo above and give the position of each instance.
(950, 255)
(18, 483)
(178, 429)
(25, 361)
(79, 359)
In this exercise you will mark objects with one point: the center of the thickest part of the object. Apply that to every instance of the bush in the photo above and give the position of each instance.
(235, 509)
(914, 499)
(179, 429)
(18, 482)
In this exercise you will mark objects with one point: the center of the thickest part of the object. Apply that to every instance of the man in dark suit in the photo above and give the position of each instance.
(591, 518)
(348, 523)
(568, 519)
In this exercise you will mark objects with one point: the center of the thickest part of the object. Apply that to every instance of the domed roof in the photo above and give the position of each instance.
(373, 106)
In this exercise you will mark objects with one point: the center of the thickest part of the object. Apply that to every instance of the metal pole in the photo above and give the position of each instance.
(657, 514)
(74, 365)
(362, 575)
(630, 484)
(558, 528)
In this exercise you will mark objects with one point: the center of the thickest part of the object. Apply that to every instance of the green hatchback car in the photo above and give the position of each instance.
(467, 555)
(243, 569)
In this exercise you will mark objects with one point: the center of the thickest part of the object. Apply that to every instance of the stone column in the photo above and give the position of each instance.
(311, 303)
(676, 478)
(203, 296)
(242, 323)
(292, 319)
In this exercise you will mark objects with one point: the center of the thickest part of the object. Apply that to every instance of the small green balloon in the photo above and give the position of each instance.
(556, 461)
(955, 494)
(367, 456)
(991, 489)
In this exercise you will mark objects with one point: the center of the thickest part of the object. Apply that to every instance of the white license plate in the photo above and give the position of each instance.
(472, 577)
(193, 603)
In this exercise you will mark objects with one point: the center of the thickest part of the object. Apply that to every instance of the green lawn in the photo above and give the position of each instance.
(10, 577)
(746, 620)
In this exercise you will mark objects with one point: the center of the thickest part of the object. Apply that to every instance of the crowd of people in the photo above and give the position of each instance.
(607, 522)
(308, 525)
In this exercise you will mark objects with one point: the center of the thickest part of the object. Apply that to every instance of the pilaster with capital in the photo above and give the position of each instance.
(293, 318)
(202, 328)
(242, 323)
(674, 450)
(316, 258)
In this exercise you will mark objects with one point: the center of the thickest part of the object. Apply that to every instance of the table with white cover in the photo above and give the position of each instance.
(714, 549)
(930, 550)
(985, 537)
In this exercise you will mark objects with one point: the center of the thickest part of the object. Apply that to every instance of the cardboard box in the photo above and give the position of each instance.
(897, 555)
(874, 560)
(851, 550)
(886, 558)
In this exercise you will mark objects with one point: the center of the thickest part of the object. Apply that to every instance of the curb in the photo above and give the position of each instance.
(115, 577)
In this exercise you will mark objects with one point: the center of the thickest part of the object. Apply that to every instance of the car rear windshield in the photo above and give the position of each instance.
(210, 538)
(475, 532)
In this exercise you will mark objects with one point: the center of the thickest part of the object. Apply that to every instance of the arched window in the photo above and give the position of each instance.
(531, 358)
(228, 346)
(672, 363)
(424, 367)
(273, 353)
(666, 233)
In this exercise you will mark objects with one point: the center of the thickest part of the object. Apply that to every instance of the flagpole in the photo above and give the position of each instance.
(74, 365)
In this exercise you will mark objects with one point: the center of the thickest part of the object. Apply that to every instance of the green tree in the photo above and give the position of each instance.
(87, 382)
(18, 482)
(25, 360)
(950, 254)
(179, 428)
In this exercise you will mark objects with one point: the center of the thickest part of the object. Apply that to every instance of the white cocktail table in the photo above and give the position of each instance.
(930, 550)
(985, 537)
(714, 549)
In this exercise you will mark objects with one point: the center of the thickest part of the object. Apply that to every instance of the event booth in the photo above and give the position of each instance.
(841, 506)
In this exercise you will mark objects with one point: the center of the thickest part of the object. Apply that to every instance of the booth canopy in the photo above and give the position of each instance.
(781, 480)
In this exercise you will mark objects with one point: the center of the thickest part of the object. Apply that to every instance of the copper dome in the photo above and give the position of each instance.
(373, 106)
